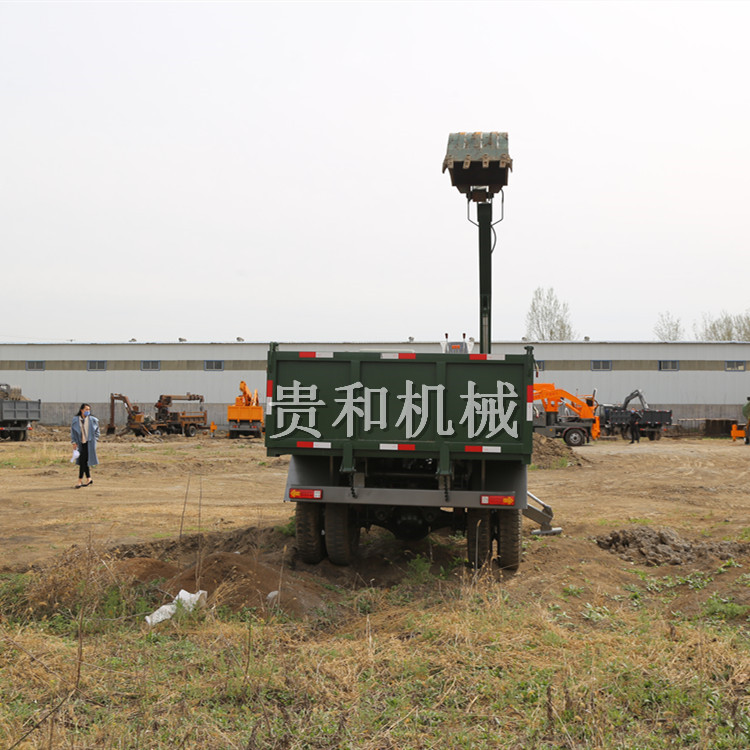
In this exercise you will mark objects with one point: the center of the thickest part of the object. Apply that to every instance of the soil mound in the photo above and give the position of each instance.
(232, 580)
(551, 453)
(237, 581)
(653, 547)
(183, 550)
(146, 569)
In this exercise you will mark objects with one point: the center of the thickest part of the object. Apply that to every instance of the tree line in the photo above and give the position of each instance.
(548, 319)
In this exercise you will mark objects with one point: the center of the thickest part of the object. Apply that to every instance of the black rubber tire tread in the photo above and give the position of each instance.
(191, 430)
(509, 541)
(478, 537)
(308, 520)
(575, 438)
(342, 533)
(23, 436)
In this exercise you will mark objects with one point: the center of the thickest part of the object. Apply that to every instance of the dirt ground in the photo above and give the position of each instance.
(208, 511)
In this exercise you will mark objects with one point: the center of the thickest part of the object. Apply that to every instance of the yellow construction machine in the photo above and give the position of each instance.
(245, 416)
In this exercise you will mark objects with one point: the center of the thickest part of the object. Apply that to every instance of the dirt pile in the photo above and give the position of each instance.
(550, 453)
(653, 547)
(232, 580)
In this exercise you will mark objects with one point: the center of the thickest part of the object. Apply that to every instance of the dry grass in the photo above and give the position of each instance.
(426, 664)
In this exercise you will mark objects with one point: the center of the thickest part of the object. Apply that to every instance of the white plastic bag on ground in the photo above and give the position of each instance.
(189, 603)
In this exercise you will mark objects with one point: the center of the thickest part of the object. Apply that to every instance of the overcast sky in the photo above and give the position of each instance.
(273, 170)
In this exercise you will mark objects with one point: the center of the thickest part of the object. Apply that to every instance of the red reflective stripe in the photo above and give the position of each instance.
(269, 388)
(407, 355)
(529, 393)
(473, 449)
(406, 446)
(477, 356)
(305, 444)
(307, 355)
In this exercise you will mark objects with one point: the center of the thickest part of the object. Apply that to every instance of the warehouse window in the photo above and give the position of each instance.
(734, 366)
(669, 365)
(96, 364)
(213, 364)
(150, 364)
(35, 364)
(601, 364)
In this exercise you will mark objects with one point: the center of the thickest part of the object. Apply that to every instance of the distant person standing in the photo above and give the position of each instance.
(635, 429)
(84, 432)
(746, 414)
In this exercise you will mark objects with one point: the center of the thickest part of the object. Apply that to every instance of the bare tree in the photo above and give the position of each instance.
(725, 327)
(548, 319)
(668, 328)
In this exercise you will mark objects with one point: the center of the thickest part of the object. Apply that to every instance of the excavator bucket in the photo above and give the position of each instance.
(478, 160)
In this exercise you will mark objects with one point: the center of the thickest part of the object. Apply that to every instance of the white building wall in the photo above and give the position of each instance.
(700, 388)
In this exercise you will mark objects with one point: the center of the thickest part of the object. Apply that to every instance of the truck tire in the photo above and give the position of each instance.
(478, 537)
(574, 438)
(652, 435)
(190, 430)
(509, 542)
(342, 533)
(308, 518)
(23, 436)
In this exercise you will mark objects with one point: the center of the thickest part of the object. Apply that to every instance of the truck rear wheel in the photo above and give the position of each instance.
(478, 537)
(342, 533)
(190, 430)
(308, 518)
(574, 438)
(23, 436)
(509, 540)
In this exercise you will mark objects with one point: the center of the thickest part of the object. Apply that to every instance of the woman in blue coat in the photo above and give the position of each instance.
(84, 432)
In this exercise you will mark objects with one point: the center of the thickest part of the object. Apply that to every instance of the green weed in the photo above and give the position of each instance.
(724, 608)
(289, 528)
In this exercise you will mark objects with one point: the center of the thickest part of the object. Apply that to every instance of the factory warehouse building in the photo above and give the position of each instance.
(696, 380)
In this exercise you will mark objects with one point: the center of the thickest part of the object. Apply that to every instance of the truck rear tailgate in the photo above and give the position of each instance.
(367, 404)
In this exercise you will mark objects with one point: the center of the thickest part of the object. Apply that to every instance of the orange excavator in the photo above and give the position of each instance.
(573, 418)
(245, 417)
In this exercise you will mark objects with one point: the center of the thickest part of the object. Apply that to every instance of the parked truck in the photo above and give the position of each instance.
(412, 442)
(618, 419)
(409, 442)
(164, 422)
(565, 415)
(245, 416)
(17, 414)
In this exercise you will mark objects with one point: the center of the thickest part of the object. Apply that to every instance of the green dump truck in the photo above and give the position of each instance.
(408, 442)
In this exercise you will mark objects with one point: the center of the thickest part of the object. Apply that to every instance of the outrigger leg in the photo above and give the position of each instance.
(542, 516)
